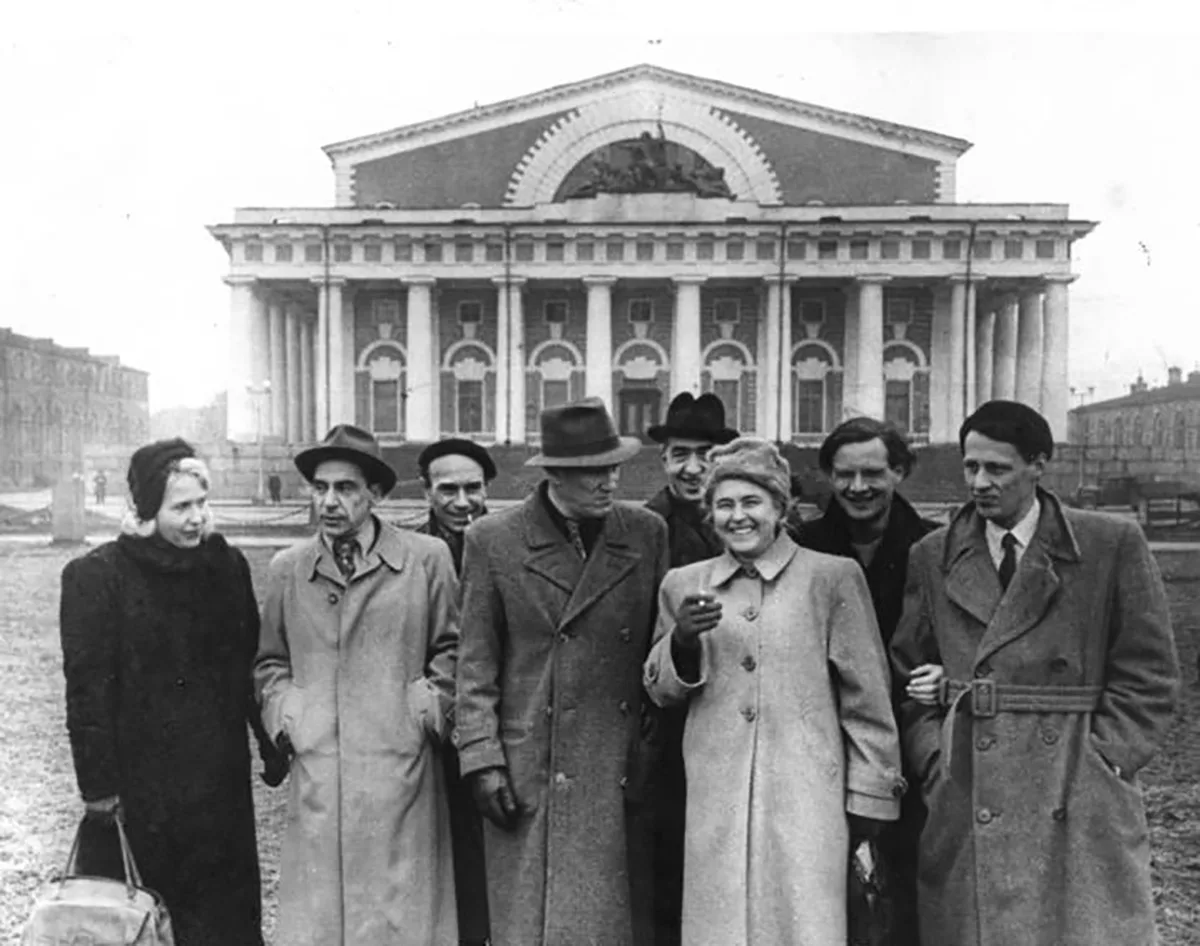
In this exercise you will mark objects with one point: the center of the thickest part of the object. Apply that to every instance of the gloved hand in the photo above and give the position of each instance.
(276, 760)
(102, 810)
(864, 829)
(698, 614)
(494, 797)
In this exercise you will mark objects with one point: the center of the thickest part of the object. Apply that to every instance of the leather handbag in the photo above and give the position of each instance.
(73, 908)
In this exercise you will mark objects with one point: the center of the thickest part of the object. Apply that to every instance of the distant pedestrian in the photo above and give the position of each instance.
(274, 488)
(159, 630)
(100, 486)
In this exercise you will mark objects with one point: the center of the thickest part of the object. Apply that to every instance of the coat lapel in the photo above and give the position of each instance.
(1036, 581)
(971, 579)
(549, 555)
(611, 560)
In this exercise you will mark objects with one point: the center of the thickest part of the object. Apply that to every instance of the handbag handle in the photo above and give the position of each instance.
(133, 877)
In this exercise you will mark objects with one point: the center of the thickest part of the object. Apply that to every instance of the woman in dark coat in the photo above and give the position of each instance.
(159, 632)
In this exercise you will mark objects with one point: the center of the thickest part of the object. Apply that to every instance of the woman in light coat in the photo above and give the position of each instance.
(790, 747)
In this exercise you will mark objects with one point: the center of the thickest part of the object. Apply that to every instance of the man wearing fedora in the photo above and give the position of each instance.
(355, 673)
(455, 474)
(559, 602)
(694, 425)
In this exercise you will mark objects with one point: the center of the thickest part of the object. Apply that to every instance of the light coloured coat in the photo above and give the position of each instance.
(549, 685)
(1032, 837)
(789, 728)
(361, 678)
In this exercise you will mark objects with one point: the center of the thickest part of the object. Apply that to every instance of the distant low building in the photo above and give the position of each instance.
(1166, 418)
(54, 401)
(199, 425)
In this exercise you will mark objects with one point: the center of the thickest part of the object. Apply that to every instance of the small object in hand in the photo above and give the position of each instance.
(102, 810)
(698, 614)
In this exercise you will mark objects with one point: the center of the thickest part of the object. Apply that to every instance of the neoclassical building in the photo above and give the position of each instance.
(636, 235)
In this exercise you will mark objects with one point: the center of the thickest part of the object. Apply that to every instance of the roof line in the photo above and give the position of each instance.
(958, 145)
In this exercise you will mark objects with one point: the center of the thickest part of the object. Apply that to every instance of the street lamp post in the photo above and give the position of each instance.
(260, 392)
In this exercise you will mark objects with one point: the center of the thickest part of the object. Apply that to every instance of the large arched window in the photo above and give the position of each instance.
(469, 389)
(554, 376)
(380, 390)
(1139, 435)
(816, 380)
(1118, 430)
(1180, 434)
(729, 374)
(906, 387)
(1160, 429)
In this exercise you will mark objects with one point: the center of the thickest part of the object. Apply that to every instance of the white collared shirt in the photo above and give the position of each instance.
(1023, 532)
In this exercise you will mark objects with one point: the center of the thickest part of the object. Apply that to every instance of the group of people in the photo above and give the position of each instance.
(584, 721)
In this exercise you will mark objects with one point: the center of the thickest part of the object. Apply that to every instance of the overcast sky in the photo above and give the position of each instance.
(129, 128)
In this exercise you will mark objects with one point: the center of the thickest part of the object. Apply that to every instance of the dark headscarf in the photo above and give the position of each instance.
(149, 468)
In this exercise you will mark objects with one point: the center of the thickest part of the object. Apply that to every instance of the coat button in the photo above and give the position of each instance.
(749, 713)
(623, 706)
(179, 681)
(1049, 737)
(984, 815)
(1059, 665)
(549, 710)
(560, 779)
(625, 635)
(984, 743)
(983, 670)
(749, 663)
(564, 637)
(751, 614)
(333, 599)
(1059, 814)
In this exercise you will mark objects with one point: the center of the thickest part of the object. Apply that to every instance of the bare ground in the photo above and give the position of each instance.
(39, 807)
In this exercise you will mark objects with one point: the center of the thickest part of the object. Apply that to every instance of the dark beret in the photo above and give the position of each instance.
(1011, 422)
(455, 446)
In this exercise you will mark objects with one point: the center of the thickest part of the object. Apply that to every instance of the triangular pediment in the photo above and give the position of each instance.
(517, 152)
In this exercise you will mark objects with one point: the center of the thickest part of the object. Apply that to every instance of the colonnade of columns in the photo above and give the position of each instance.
(298, 371)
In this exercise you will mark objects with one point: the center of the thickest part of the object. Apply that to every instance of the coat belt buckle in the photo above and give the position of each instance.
(983, 699)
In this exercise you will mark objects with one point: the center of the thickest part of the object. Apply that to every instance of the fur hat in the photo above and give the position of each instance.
(753, 460)
(149, 468)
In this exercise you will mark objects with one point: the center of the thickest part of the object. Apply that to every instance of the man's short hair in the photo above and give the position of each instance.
(1014, 423)
(861, 429)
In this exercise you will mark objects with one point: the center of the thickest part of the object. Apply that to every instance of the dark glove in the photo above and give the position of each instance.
(864, 829)
(276, 760)
(494, 797)
(103, 811)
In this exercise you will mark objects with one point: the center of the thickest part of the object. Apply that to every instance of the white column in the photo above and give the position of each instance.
(503, 362)
(1055, 339)
(308, 382)
(785, 351)
(985, 332)
(685, 336)
(962, 310)
(850, 349)
(291, 331)
(768, 391)
(869, 394)
(341, 409)
(598, 359)
(1029, 348)
(940, 395)
(320, 372)
(419, 420)
(239, 411)
(972, 363)
(279, 391)
(1004, 361)
(516, 346)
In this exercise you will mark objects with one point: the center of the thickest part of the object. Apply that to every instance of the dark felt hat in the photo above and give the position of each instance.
(458, 447)
(695, 418)
(582, 434)
(354, 445)
(148, 472)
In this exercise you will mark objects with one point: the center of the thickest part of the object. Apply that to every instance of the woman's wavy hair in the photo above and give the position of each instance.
(131, 524)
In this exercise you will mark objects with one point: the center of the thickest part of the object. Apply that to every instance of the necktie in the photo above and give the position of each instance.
(576, 538)
(1008, 564)
(344, 548)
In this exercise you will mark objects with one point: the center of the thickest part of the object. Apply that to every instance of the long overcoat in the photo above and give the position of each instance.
(1032, 836)
(158, 643)
(789, 728)
(361, 678)
(549, 685)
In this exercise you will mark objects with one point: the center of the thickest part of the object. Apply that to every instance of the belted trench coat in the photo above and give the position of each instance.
(549, 685)
(361, 678)
(1032, 835)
